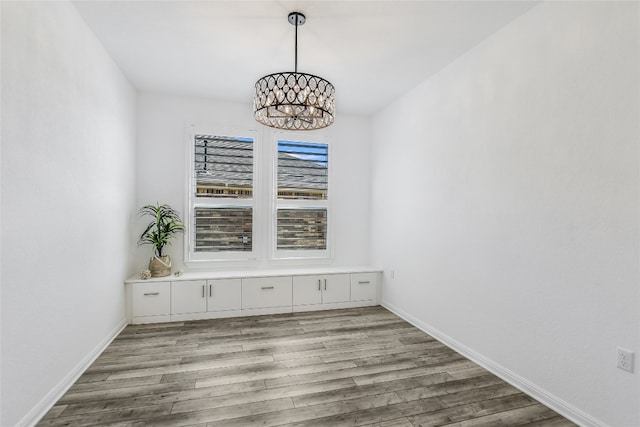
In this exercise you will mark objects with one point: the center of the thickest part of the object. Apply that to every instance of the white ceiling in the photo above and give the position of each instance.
(372, 51)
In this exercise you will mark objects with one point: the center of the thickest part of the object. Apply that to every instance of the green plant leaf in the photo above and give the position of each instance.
(165, 225)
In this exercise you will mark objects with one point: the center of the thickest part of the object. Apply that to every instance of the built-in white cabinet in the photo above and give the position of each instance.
(267, 294)
(195, 296)
(150, 302)
(321, 289)
(188, 297)
(224, 295)
(364, 286)
(192, 299)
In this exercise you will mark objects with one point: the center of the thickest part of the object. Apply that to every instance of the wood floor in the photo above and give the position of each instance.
(356, 367)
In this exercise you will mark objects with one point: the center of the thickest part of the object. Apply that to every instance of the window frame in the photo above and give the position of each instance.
(193, 259)
(292, 255)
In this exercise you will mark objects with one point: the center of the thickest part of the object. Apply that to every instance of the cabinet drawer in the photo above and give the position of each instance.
(151, 299)
(265, 292)
(364, 286)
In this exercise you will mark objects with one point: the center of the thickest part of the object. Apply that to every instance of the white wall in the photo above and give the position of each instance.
(68, 194)
(505, 198)
(162, 175)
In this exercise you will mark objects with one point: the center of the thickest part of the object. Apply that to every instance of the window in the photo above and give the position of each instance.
(302, 199)
(302, 229)
(222, 197)
(223, 229)
(251, 199)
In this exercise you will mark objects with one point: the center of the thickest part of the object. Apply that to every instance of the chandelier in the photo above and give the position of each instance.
(292, 100)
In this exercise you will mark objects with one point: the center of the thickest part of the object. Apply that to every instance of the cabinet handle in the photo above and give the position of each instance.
(319, 288)
(325, 284)
(267, 287)
(202, 291)
(364, 283)
(148, 294)
(210, 294)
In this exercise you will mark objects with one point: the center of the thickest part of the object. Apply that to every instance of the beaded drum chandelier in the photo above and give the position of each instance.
(292, 100)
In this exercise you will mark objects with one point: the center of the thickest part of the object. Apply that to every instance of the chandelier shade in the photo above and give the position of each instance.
(292, 100)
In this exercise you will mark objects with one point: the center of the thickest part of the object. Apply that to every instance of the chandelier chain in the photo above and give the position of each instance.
(295, 68)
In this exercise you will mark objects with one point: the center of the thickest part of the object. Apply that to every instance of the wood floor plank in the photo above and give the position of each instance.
(107, 384)
(119, 366)
(55, 411)
(352, 371)
(328, 387)
(200, 394)
(398, 422)
(310, 399)
(89, 378)
(509, 418)
(327, 348)
(132, 344)
(402, 373)
(177, 351)
(504, 403)
(352, 367)
(471, 412)
(380, 351)
(417, 356)
(449, 387)
(113, 393)
(374, 415)
(467, 372)
(106, 417)
(442, 417)
(221, 417)
(478, 394)
(225, 363)
(327, 341)
(241, 372)
(556, 421)
(285, 376)
(312, 413)
(149, 351)
(206, 355)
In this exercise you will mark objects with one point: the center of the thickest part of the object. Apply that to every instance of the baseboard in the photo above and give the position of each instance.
(266, 310)
(41, 409)
(543, 396)
(333, 306)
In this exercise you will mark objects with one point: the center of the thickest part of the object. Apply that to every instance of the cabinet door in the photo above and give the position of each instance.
(307, 290)
(266, 292)
(189, 297)
(224, 294)
(336, 288)
(364, 286)
(150, 299)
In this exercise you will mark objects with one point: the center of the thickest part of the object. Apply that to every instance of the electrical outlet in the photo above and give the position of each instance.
(625, 359)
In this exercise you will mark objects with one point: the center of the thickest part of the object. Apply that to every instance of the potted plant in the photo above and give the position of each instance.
(164, 226)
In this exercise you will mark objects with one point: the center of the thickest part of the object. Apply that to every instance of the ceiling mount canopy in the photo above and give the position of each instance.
(294, 101)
